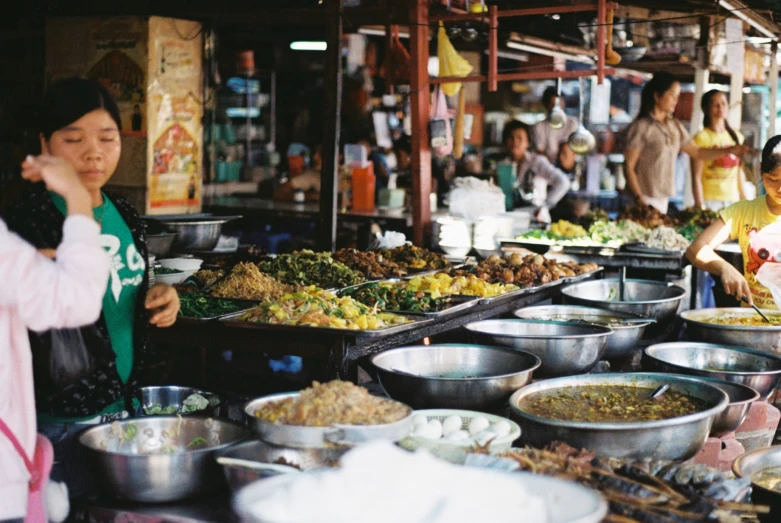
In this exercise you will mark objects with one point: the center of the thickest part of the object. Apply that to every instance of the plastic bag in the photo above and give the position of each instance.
(450, 62)
(440, 131)
(69, 358)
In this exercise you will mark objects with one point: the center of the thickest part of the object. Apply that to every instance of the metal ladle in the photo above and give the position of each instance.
(745, 300)
(581, 141)
(557, 117)
(658, 391)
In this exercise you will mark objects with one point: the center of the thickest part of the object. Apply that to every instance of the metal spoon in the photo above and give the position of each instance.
(659, 391)
(621, 283)
(744, 299)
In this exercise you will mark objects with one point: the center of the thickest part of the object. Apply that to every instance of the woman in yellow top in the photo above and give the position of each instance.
(717, 183)
(744, 221)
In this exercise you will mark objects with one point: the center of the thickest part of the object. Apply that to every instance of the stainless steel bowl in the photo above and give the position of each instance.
(174, 396)
(619, 344)
(160, 244)
(671, 439)
(157, 478)
(317, 437)
(740, 399)
(752, 462)
(196, 235)
(431, 376)
(645, 298)
(239, 462)
(756, 369)
(563, 348)
(760, 337)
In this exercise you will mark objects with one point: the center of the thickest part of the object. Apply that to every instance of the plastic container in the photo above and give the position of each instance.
(363, 188)
(391, 198)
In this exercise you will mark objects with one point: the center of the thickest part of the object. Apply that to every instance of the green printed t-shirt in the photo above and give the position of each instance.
(119, 303)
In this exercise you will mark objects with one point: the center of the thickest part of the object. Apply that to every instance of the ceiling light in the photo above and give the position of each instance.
(372, 31)
(308, 46)
(556, 17)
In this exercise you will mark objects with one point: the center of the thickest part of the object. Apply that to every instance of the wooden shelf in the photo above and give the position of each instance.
(684, 71)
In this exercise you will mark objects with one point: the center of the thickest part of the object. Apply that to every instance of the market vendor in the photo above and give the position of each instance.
(744, 221)
(654, 141)
(80, 123)
(548, 140)
(536, 177)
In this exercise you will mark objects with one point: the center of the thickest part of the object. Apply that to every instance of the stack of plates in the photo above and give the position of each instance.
(485, 236)
(455, 237)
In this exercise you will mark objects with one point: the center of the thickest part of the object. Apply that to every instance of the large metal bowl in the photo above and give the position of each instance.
(645, 298)
(196, 235)
(317, 437)
(563, 348)
(760, 337)
(671, 439)
(740, 400)
(240, 462)
(621, 343)
(174, 396)
(752, 462)
(756, 369)
(160, 244)
(157, 478)
(431, 376)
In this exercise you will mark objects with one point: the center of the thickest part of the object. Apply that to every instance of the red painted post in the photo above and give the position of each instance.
(493, 46)
(419, 108)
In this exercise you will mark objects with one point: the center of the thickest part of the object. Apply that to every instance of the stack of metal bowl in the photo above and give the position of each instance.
(454, 376)
(645, 298)
(563, 348)
(126, 474)
(763, 337)
(677, 438)
(620, 344)
(756, 369)
(749, 465)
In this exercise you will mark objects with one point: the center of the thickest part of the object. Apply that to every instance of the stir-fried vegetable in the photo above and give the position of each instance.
(411, 257)
(396, 297)
(193, 403)
(200, 306)
(310, 268)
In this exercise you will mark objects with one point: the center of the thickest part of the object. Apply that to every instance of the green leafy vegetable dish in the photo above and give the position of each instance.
(199, 306)
(389, 297)
(193, 403)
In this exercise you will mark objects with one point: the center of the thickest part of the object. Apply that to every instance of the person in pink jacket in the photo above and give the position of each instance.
(38, 293)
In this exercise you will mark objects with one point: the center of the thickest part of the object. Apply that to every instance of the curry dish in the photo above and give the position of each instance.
(609, 404)
(742, 320)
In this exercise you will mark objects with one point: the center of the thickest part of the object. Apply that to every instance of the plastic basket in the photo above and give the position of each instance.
(456, 451)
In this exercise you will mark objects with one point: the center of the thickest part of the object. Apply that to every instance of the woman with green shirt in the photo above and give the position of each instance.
(80, 122)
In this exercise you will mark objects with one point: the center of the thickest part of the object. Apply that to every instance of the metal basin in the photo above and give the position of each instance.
(300, 436)
(196, 235)
(756, 369)
(752, 462)
(763, 338)
(645, 298)
(157, 478)
(239, 462)
(619, 344)
(740, 400)
(563, 348)
(174, 396)
(160, 244)
(671, 439)
(493, 374)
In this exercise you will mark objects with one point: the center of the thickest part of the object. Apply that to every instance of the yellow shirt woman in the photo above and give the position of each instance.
(720, 177)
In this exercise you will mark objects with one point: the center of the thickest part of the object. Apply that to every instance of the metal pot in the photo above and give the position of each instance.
(196, 235)
(160, 244)
(564, 348)
(740, 400)
(763, 338)
(240, 463)
(645, 298)
(671, 439)
(174, 396)
(418, 376)
(158, 478)
(749, 464)
(756, 369)
(619, 344)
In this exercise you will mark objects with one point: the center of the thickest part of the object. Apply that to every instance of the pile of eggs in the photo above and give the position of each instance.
(454, 429)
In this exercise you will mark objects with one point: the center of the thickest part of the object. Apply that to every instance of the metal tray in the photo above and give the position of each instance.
(544, 248)
(580, 277)
(460, 303)
(520, 292)
(416, 322)
(318, 437)
(644, 249)
(246, 305)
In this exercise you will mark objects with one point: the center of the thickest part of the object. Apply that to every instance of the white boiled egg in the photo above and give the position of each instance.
(451, 424)
(435, 426)
(478, 424)
(459, 435)
(501, 428)
(419, 420)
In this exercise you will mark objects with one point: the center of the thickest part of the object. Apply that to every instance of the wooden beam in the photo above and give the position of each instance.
(493, 46)
(601, 19)
(532, 11)
(773, 79)
(539, 75)
(419, 108)
(331, 130)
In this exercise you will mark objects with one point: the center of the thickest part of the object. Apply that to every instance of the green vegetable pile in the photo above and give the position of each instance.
(167, 270)
(193, 403)
(199, 306)
(310, 268)
(398, 299)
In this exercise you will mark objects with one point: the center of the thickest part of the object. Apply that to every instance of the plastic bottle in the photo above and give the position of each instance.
(363, 188)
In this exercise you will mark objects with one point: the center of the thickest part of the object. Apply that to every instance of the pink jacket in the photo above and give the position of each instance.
(39, 294)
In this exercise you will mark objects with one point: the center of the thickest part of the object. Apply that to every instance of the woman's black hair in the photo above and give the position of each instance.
(706, 121)
(771, 155)
(69, 99)
(658, 85)
(549, 94)
(512, 126)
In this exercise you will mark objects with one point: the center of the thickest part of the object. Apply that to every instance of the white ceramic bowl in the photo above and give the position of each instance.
(182, 264)
(172, 279)
(456, 250)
